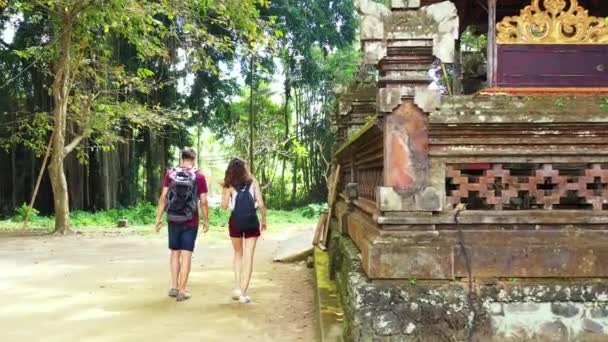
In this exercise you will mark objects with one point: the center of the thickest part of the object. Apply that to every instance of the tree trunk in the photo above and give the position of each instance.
(251, 120)
(294, 188)
(61, 90)
(286, 118)
(37, 186)
(150, 178)
(14, 175)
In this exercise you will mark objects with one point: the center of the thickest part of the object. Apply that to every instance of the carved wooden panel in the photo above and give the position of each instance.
(552, 65)
(552, 43)
(528, 186)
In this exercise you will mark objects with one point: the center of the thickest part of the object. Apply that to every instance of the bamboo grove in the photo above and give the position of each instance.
(97, 84)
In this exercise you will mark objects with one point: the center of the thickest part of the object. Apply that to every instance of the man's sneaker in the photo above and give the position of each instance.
(182, 296)
(173, 293)
(236, 294)
(244, 300)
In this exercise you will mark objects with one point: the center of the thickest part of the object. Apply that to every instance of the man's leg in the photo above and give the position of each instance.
(175, 261)
(187, 240)
(184, 270)
(174, 247)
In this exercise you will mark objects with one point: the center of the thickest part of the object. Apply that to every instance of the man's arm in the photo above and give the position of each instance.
(160, 209)
(205, 210)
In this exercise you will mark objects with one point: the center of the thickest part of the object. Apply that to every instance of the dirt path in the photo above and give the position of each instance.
(108, 288)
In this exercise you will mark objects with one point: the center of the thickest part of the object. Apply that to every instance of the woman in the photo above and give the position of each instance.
(238, 179)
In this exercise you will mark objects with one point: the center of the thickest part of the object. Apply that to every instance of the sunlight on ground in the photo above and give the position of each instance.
(113, 288)
(95, 313)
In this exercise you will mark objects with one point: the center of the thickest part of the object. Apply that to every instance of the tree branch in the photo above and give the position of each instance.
(72, 145)
(85, 122)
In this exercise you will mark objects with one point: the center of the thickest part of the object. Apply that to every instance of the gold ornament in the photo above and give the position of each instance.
(561, 22)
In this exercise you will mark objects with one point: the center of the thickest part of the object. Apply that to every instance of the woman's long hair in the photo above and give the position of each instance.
(237, 174)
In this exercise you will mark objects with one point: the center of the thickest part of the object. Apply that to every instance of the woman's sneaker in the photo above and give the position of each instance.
(244, 300)
(236, 294)
(182, 296)
(173, 292)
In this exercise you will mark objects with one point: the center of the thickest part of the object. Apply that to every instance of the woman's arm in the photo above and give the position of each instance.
(260, 201)
(225, 197)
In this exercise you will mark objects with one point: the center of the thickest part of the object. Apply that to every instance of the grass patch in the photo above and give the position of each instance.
(143, 216)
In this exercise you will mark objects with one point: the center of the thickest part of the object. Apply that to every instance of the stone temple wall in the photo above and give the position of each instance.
(410, 310)
(509, 191)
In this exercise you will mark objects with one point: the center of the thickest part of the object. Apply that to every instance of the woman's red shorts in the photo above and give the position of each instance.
(236, 234)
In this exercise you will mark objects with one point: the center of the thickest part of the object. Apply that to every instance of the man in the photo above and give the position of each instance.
(184, 190)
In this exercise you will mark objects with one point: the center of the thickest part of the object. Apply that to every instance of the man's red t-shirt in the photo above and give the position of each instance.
(201, 187)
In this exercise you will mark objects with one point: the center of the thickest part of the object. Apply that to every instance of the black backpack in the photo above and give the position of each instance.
(244, 214)
(182, 197)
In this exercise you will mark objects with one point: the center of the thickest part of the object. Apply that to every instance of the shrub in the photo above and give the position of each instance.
(21, 212)
(314, 209)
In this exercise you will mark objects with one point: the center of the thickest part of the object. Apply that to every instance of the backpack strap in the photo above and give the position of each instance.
(248, 188)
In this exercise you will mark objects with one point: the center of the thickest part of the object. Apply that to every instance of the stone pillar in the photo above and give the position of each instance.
(402, 44)
(406, 148)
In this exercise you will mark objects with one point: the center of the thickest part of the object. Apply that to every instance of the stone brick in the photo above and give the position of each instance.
(405, 4)
(431, 313)
(371, 28)
(567, 310)
(399, 311)
(363, 316)
(445, 15)
(518, 308)
(408, 327)
(598, 311)
(427, 99)
(428, 200)
(386, 323)
(413, 311)
(456, 321)
(553, 331)
(367, 297)
(385, 297)
(496, 309)
(592, 326)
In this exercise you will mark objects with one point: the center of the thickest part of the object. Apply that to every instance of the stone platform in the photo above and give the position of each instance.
(492, 310)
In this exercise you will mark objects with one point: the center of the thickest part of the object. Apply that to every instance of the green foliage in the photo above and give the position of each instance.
(110, 93)
(218, 217)
(314, 209)
(30, 131)
(604, 104)
(21, 212)
(127, 59)
(144, 214)
(473, 41)
(559, 102)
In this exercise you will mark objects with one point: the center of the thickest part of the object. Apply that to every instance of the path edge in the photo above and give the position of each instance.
(329, 309)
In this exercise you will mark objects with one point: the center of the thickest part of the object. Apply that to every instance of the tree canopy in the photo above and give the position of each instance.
(122, 82)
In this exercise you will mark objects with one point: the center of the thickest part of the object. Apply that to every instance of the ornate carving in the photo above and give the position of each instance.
(544, 187)
(556, 22)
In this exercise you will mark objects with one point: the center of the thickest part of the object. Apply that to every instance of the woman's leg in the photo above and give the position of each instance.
(249, 250)
(237, 262)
